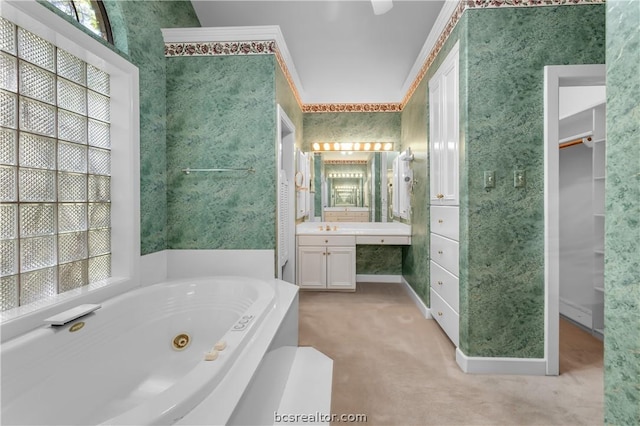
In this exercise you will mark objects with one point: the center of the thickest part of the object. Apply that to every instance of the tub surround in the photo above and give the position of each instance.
(177, 264)
(153, 268)
(270, 305)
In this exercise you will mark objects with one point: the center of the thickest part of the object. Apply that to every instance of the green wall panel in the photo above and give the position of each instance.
(221, 114)
(502, 230)
(622, 223)
(143, 21)
(351, 127)
(379, 260)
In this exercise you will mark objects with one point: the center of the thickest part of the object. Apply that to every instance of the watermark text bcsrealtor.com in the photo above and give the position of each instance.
(317, 417)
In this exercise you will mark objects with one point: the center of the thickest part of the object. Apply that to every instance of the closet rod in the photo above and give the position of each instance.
(574, 142)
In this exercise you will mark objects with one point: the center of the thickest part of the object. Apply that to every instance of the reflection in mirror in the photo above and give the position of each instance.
(353, 186)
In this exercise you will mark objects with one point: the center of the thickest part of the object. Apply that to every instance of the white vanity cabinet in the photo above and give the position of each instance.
(444, 211)
(444, 131)
(327, 262)
(444, 284)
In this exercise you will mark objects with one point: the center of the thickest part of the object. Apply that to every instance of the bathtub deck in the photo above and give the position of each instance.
(308, 388)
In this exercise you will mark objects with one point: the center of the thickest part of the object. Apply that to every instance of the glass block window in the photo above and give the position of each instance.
(55, 170)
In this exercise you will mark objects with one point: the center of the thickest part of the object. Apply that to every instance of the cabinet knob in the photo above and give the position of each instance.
(439, 251)
(439, 282)
(382, 241)
(439, 313)
(328, 254)
(440, 196)
(324, 254)
(326, 241)
(440, 220)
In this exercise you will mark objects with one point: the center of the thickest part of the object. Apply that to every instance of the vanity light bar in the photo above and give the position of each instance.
(352, 146)
(345, 175)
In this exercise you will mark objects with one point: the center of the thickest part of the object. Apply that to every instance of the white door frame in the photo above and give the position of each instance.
(554, 78)
(285, 144)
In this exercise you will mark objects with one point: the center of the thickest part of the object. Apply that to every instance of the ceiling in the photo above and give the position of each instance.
(342, 51)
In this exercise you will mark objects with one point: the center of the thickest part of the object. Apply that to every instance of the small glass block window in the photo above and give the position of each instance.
(55, 166)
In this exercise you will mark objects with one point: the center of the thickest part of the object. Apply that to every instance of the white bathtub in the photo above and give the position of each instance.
(121, 367)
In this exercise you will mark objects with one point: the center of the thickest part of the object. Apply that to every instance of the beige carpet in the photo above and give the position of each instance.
(399, 368)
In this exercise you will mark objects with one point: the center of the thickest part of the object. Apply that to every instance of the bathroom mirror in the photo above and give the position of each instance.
(353, 186)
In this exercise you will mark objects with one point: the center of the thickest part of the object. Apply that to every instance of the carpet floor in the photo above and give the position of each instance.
(398, 368)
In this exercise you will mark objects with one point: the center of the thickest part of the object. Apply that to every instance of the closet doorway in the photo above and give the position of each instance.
(575, 144)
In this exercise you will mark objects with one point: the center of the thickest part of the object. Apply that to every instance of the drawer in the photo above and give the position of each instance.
(445, 221)
(326, 240)
(397, 240)
(445, 316)
(346, 216)
(445, 284)
(331, 216)
(444, 252)
(347, 219)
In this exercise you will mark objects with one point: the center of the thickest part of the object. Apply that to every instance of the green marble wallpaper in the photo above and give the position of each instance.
(379, 260)
(286, 99)
(236, 128)
(502, 230)
(137, 27)
(622, 223)
(415, 259)
(317, 184)
(377, 170)
(351, 127)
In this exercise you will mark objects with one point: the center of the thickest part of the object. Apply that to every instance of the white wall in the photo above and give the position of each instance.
(578, 98)
(576, 225)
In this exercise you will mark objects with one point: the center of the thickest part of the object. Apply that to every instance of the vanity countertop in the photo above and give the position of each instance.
(354, 228)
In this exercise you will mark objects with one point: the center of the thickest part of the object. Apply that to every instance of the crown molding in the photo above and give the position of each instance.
(438, 29)
(268, 39)
(250, 34)
(355, 107)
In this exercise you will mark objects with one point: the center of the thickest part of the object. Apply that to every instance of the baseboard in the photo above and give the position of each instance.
(580, 314)
(369, 278)
(485, 365)
(422, 307)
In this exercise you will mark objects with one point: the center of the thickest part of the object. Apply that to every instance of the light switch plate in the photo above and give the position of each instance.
(489, 179)
(519, 179)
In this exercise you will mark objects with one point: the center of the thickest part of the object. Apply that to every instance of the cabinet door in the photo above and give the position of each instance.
(450, 121)
(341, 267)
(444, 132)
(312, 267)
(435, 139)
